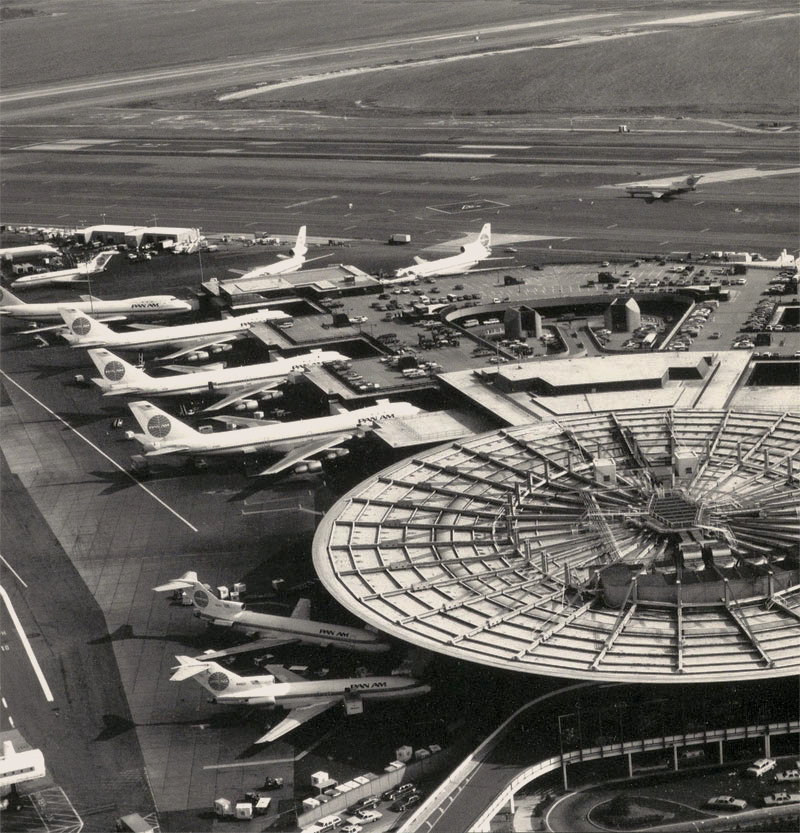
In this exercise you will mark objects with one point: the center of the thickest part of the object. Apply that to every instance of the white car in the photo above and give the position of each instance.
(727, 802)
(761, 767)
(788, 775)
(776, 799)
(364, 817)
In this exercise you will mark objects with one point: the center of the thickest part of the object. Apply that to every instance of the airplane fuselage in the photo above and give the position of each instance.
(145, 305)
(279, 437)
(167, 336)
(281, 267)
(218, 380)
(455, 265)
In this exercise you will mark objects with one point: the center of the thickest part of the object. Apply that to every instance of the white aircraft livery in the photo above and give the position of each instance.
(285, 264)
(469, 255)
(84, 331)
(297, 441)
(77, 274)
(663, 190)
(241, 384)
(150, 305)
(36, 250)
(304, 699)
(272, 630)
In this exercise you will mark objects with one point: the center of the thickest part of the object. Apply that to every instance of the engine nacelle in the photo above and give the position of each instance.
(199, 355)
(259, 700)
(269, 395)
(463, 249)
(314, 465)
(342, 452)
(246, 405)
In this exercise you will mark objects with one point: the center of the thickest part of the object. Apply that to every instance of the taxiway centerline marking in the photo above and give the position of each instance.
(16, 574)
(27, 646)
(98, 450)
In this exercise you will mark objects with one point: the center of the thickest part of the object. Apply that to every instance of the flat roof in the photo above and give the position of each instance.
(323, 279)
(511, 549)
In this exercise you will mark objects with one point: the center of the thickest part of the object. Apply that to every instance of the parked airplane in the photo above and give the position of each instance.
(663, 190)
(298, 441)
(272, 630)
(469, 255)
(240, 383)
(304, 699)
(84, 331)
(77, 274)
(285, 264)
(150, 305)
(36, 250)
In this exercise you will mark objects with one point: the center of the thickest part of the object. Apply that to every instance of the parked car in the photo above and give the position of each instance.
(776, 799)
(366, 803)
(788, 775)
(761, 767)
(726, 802)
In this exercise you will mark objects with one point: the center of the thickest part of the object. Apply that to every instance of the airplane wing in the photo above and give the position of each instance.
(243, 393)
(203, 368)
(302, 610)
(254, 645)
(201, 344)
(419, 260)
(144, 326)
(283, 674)
(295, 718)
(658, 194)
(244, 422)
(303, 452)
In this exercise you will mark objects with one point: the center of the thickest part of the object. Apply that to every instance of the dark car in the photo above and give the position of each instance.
(366, 803)
(273, 784)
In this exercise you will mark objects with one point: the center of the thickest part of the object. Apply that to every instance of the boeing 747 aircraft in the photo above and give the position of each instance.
(77, 274)
(84, 331)
(285, 264)
(469, 255)
(663, 190)
(272, 630)
(305, 700)
(242, 384)
(149, 305)
(298, 442)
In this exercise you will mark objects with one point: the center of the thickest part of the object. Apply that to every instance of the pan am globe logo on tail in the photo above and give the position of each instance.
(218, 681)
(81, 326)
(158, 426)
(201, 598)
(114, 371)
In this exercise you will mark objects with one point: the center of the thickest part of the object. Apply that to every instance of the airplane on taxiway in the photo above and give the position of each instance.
(285, 264)
(305, 699)
(272, 630)
(195, 340)
(241, 384)
(150, 305)
(299, 442)
(663, 190)
(77, 274)
(469, 255)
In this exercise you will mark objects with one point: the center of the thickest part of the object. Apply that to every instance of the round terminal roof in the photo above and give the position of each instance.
(656, 545)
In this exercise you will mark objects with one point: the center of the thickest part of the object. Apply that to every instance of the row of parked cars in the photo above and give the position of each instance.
(403, 797)
(758, 769)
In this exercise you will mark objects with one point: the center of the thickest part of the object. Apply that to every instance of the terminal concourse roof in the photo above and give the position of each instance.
(642, 545)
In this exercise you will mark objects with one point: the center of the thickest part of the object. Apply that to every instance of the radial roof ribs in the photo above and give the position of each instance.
(642, 545)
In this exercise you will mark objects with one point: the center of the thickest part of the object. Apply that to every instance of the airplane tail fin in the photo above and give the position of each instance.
(300, 247)
(99, 262)
(485, 237)
(302, 610)
(8, 299)
(213, 677)
(158, 425)
(115, 372)
(81, 326)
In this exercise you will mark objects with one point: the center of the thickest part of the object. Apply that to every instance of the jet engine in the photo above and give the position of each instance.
(246, 405)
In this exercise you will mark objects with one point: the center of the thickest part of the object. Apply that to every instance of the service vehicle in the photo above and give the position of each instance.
(761, 767)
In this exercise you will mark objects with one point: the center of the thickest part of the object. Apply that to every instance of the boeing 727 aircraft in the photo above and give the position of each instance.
(469, 255)
(150, 305)
(285, 264)
(272, 630)
(663, 190)
(35, 250)
(77, 274)
(298, 441)
(241, 384)
(84, 331)
(305, 700)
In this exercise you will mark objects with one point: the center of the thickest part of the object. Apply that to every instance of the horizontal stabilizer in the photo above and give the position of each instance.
(186, 581)
(295, 718)
(188, 668)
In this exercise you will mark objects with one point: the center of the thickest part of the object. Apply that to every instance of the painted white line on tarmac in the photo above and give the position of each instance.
(27, 645)
(16, 574)
(98, 450)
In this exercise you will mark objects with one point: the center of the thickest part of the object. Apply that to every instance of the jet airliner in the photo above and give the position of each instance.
(304, 699)
(299, 441)
(243, 385)
(469, 255)
(77, 274)
(84, 331)
(285, 264)
(272, 630)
